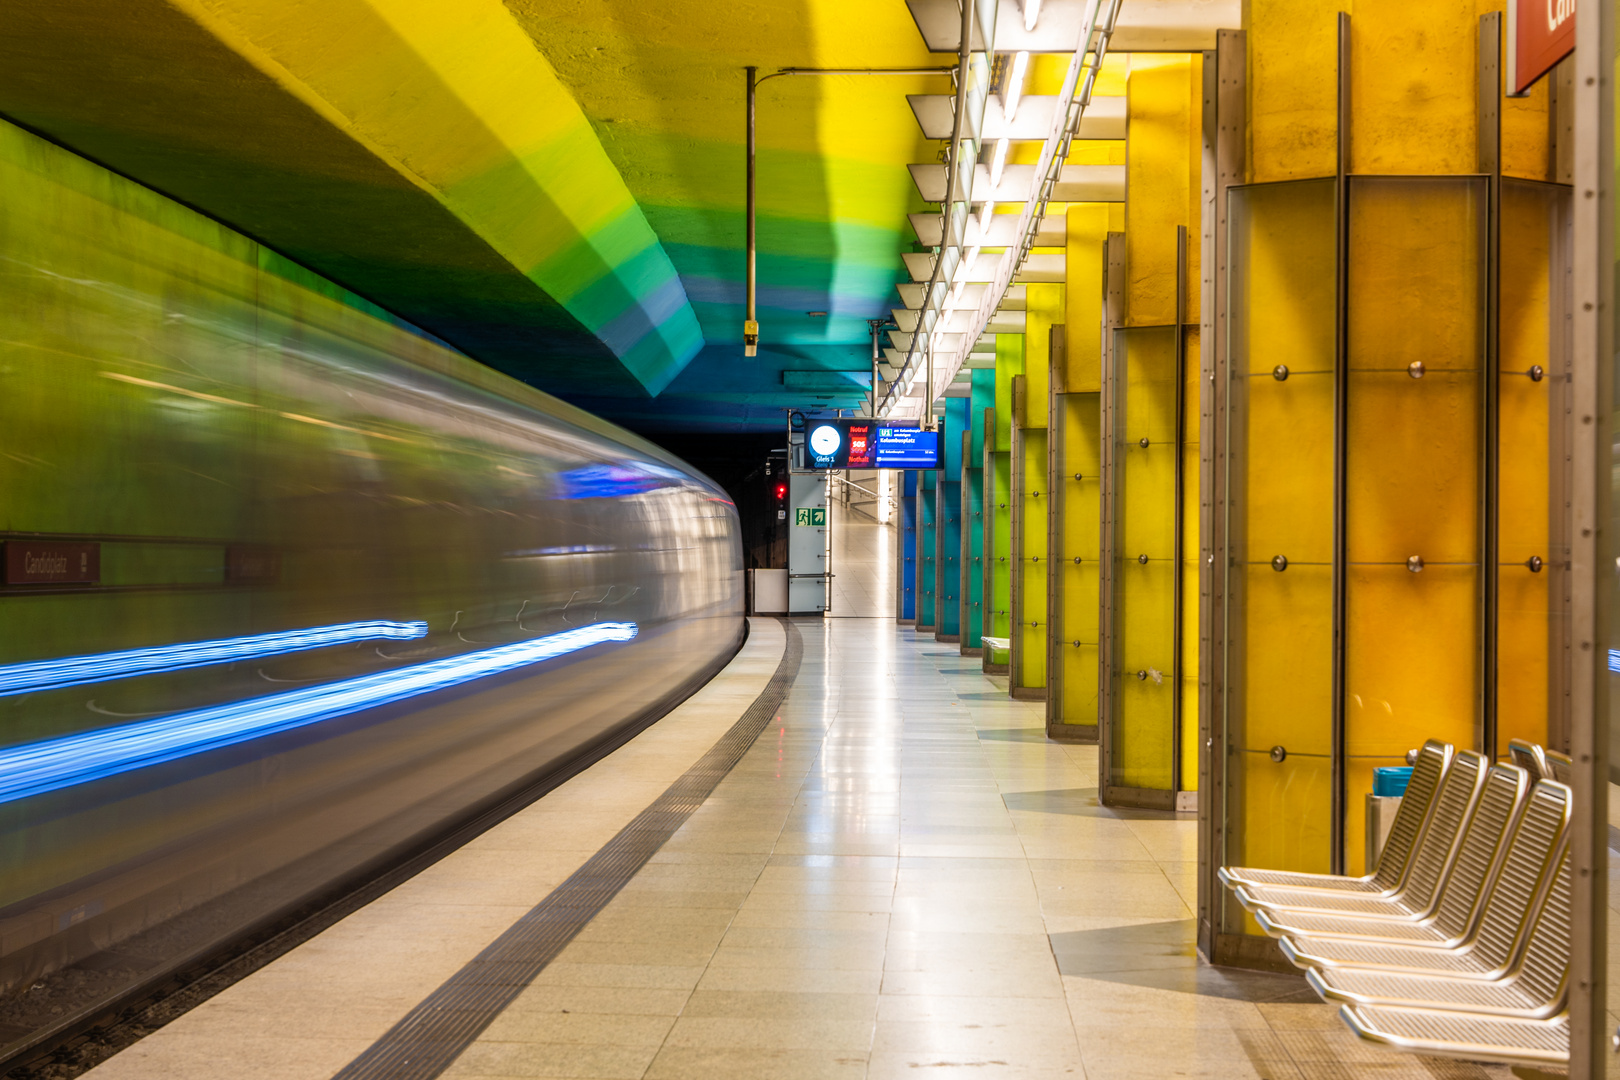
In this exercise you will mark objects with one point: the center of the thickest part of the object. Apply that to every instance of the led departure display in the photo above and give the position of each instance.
(863, 444)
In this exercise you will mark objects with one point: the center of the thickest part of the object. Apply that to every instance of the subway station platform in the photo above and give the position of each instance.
(899, 877)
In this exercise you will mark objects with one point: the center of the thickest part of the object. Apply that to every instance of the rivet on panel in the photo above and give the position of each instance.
(1280, 373)
(1537, 373)
(1415, 563)
(1279, 563)
(1142, 559)
(1279, 754)
(1142, 442)
(1415, 369)
(1077, 560)
(1535, 564)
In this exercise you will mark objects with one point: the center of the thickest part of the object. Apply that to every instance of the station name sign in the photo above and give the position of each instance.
(1539, 34)
(51, 562)
(865, 444)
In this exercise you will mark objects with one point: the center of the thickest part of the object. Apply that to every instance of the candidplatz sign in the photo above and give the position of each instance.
(1540, 33)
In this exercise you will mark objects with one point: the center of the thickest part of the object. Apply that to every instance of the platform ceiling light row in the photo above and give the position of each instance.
(936, 342)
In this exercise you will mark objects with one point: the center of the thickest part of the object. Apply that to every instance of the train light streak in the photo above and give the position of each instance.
(36, 768)
(104, 667)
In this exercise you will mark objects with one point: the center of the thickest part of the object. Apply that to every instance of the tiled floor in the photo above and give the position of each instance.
(862, 565)
(901, 878)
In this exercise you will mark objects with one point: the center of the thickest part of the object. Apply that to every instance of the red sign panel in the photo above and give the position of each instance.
(1540, 33)
(49, 562)
(861, 448)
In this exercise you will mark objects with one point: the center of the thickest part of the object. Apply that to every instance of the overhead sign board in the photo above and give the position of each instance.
(864, 444)
(1540, 33)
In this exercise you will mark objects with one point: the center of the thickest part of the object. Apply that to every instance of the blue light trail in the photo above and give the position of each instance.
(35, 768)
(103, 667)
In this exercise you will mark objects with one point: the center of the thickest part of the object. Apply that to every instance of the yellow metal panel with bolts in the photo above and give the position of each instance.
(1081, 538)
(998, 497)
(1144, 563)
(1033, 562)
(1525, 615)
(1043, 310)
(1280, 521)
(1076, 472)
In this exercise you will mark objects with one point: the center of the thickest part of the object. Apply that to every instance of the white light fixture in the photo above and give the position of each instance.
(965, 266)
(1032, 11)
(985, 211)
(1015, 85)
(998, 161)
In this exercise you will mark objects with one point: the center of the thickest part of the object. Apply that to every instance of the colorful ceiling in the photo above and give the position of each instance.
(554, 186)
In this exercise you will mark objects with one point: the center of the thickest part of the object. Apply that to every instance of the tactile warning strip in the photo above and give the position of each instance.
(433, 1034)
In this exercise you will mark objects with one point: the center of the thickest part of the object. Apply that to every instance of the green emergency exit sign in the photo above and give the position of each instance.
(808, 515)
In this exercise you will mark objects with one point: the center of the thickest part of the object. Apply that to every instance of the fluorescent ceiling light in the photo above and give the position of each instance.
(128, 663)
(36, 768)
(1032, 12)
(965, 266)
(1015, 85)
(998, 161)
(985, 211)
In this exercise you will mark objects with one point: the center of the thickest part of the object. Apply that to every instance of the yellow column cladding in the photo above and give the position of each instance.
(1083, 269)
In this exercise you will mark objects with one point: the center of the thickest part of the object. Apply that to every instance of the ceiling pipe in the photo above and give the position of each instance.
(751, 317)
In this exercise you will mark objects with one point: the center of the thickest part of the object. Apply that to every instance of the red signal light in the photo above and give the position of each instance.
(781, 491)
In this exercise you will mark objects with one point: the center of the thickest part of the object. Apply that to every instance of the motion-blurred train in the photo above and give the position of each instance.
(290, 587)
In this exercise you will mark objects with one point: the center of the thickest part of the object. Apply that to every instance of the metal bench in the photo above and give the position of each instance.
(1405, 834)
(1456, 908)
(1535, 988)
(1529, 757)
(1540, 761)
(1463, 1035)
(1431, 861)
(1510, 907)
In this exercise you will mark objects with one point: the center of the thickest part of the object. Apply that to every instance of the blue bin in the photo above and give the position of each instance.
(1391, 779)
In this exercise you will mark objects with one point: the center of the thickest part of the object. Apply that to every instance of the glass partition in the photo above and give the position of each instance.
(1414, 476)
(1139, 736)
(1532, 563)
(1280, 527)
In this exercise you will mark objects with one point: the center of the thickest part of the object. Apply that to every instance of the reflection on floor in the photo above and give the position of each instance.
(862, 566)
(903, 879)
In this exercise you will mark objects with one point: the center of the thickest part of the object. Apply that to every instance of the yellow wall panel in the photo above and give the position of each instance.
(1292, 87)
(1043, 310)
(1159, 195)
(1087, 228)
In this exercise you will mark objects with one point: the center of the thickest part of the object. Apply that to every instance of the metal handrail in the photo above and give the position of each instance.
(857, 487)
